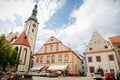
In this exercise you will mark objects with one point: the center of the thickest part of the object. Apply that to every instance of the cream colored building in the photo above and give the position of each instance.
(54, 56)
(115, 42)
(24, 43)
(100, 56)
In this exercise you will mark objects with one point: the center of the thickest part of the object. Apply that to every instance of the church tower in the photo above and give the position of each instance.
(31, 28)
(25, 42)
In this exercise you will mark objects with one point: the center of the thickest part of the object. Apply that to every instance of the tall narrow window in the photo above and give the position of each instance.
(60, 58)
(53, 58)
(66, 57)
(23, 56)
(37, 59)
(89, 59)
(111, 57)
(32, 30)
(48, 59)
(91, 69)
(98, 58)
(51, 47)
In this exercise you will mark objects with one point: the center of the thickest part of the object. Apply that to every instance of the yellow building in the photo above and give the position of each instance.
(54, 56)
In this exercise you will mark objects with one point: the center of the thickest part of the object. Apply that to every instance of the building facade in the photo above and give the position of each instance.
(24, 43)
(100, 56)
(54, 56)
(115, 42)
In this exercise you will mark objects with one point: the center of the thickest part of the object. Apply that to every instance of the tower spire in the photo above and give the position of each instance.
(33, 15)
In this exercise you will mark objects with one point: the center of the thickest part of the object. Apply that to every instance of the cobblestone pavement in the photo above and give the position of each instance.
(63, 78)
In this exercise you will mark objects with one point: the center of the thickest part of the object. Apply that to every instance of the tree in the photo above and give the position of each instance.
(8, 55)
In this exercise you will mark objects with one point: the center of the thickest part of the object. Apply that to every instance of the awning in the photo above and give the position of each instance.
(58, 67)
(37, 67)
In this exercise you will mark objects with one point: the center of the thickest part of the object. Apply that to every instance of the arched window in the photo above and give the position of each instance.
(16, 48)
(32, 30)
(48, 59)
(66, 57)
(41, 59)
(60, 58)
(53, 58)
(24, 55)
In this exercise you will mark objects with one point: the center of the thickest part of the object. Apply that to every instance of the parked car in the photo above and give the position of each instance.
(54, 75)
(97, 76)
(43, 74)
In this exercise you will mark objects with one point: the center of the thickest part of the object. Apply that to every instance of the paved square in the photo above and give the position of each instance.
(63, 78)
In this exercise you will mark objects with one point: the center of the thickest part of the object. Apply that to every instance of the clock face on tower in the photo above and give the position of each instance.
(34, 25)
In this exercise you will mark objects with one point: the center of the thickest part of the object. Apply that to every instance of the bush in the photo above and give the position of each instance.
(27, 76)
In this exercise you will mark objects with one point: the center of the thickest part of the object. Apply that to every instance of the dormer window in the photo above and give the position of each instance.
(25, 37)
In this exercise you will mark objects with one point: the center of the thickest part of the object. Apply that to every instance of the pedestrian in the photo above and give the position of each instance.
(112, 76)
(107, 75)
(118, 75)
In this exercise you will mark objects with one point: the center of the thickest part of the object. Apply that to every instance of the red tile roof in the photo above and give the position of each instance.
(115, 39)
(22, 40)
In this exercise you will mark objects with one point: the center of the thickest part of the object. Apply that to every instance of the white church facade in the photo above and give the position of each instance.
(24, 43)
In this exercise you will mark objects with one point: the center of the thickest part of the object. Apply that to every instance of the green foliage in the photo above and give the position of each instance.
(8, 55)
(27, 76)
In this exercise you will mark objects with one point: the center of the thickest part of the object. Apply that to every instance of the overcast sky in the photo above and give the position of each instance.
(70, 21)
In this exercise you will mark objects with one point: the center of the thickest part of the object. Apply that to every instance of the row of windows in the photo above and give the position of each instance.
(92, 69)
(104, 47)
(98, 58)
(51, 58)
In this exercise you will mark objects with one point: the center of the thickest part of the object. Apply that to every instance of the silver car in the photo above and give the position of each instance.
(97, 76)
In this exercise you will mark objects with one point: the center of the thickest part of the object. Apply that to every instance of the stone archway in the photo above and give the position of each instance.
(101, 71)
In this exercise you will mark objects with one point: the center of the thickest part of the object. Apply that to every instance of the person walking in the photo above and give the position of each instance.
(112, 76)
(107, 75)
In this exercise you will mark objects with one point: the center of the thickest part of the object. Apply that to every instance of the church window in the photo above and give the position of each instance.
(89, 59)
(98, 58)
(32, 30)
(15, 37)
(11, 39)
(24, 55)
(25, 37)
(91, 69)
(111, 57)
(106, 47)
(53, 58)
(48, 59)
(16, 48)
